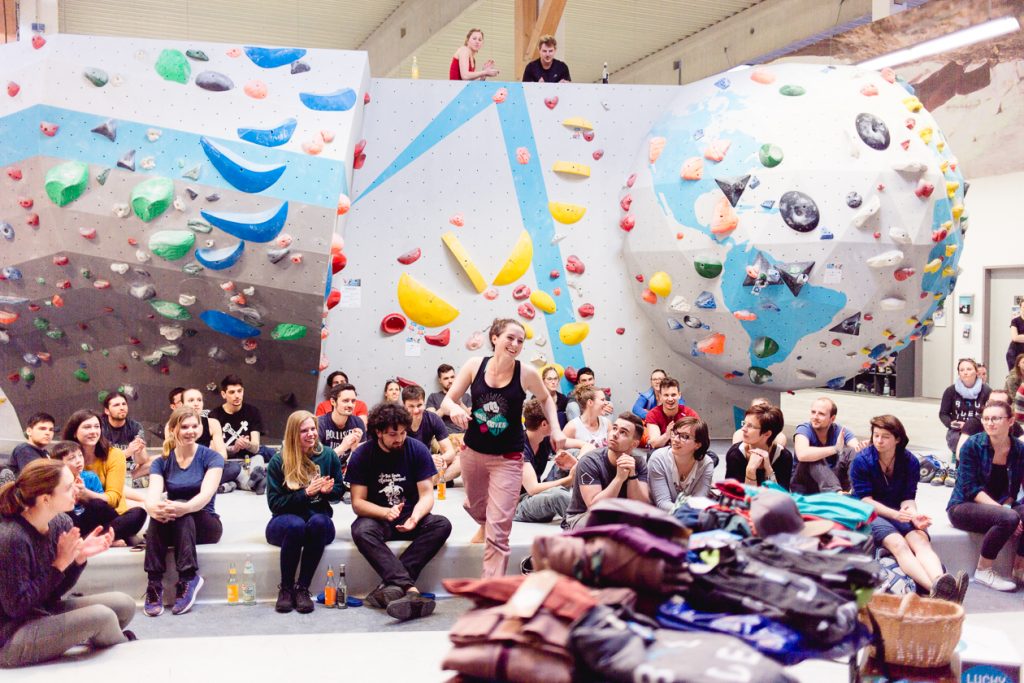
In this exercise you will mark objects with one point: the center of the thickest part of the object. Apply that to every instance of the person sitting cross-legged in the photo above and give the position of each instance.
(820, 444)
(391, 478)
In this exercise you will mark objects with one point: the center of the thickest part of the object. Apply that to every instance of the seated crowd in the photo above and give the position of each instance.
(386, 460)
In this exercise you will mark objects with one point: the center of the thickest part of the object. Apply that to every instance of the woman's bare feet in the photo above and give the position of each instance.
(478, 537)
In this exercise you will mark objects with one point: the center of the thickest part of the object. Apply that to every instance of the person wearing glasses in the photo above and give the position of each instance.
(984, 497)
(681, 468)
(756, 459)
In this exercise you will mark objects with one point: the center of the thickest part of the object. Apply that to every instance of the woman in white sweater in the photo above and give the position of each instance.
(680, 467)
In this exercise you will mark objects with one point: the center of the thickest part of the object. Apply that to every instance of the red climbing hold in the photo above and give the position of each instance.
(571, 374)
(393, 323)
(366, 98)
(639, 278)
(626, 202)
(586, 311)
(924, 189)
(14, 173)
(649, 296)
(410, 256)
(526, 310)
(550, 102)
(521, 292)
(13, 89)
(338, 262)
(60, 260)
(38, 41)
(588, 135)
(32, 219)
(440, 339)
(554, 275)
(57, 300)
(630, 180)
(620, 331)
(597, 154)
(574, 265)
(628, 222)
(25, 202)
(48, 129)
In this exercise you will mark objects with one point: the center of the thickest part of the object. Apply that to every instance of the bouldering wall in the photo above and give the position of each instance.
(167, 214)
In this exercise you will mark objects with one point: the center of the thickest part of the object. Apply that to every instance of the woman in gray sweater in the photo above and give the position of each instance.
(680, 467)
(43, 556)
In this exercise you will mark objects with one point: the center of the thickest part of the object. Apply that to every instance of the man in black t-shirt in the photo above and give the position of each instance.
(118, 429)
(427, 428)
(546, 69)
(241, 425)
(39, 434)
(391, 477)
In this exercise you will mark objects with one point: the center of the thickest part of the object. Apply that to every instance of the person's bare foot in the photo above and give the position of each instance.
(118, 544)
(478, 537)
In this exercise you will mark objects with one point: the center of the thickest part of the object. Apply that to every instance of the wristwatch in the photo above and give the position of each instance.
(632, 478)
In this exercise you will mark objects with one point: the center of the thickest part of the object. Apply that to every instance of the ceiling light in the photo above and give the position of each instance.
(968, 36)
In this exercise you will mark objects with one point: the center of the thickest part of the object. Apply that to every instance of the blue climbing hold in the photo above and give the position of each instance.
(836, 383)
(269, 137)
(10, 273)
(219, 321)
(706, 300)
(220, 259)
(339, 100)
(273, 57)
(261, 226)
(244, 175)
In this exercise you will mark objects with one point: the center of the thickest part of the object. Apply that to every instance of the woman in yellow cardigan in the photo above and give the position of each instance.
(108, 462)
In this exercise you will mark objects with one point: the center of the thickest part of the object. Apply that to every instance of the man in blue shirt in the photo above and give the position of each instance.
(819, 444)
(391, 478)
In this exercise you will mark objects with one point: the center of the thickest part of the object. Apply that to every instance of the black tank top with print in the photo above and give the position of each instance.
(496, 418)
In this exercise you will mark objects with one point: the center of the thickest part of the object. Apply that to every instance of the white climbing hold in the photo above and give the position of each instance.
(141, 256)
(910, 167)
(119, 268)
(153, 134)
(541, 340)
(886, 259)
(186, 299)
(680, 304)
(179, 203)
(867, 212)
(899, 235)
(892, 304)
(121, 210)
(557, 238)
(171, 332)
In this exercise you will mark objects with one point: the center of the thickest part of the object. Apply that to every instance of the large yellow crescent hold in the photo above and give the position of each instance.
(518, 261)
(566, 213)
(422, 305)
(462, 256)
(578, 122)
(571, 168)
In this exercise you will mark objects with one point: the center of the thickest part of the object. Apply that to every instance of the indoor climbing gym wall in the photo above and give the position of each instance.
(167, 216)
(750, 233)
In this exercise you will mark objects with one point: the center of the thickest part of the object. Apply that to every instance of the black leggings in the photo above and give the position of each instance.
(98, 513)
(997, 522)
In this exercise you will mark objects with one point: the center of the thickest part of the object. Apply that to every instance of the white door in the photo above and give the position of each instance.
(937, 358)
(1004, 286)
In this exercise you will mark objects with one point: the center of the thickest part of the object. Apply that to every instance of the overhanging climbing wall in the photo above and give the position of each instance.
(167, 214)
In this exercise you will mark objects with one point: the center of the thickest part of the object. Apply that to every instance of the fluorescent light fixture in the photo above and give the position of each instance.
(738, 67)
(962, 38)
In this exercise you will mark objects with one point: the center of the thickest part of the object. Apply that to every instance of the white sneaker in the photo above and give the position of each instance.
(988, 577)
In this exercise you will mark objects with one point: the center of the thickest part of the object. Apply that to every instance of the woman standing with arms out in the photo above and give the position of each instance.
(463, 66)
(984, 497)
(43, 556)
(110, 465)
(182, 487)
(492, 457)
(681, 467)
(303, 480)
(962, 399)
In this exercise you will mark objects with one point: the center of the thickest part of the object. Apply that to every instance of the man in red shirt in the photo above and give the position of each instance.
(660, 418)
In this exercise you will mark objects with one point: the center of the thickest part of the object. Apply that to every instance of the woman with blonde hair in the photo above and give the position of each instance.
(182, 488)
(463, 66)
(303, 480)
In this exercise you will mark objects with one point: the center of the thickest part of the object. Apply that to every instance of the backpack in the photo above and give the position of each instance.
(895, 580)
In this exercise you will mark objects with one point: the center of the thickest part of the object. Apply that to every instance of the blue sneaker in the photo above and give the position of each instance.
(186, 592)
(154, 599)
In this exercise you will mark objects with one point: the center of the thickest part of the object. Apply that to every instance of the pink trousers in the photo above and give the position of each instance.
(492, 492)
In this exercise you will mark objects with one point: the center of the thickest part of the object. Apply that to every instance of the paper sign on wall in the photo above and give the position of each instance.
(351, 293)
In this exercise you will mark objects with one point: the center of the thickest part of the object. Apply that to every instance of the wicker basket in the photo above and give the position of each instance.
(915, 631)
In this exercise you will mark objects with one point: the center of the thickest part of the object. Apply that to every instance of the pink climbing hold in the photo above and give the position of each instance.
(693, 169)
(869, 90)
(101, 284)
(366, 98)
(639, 278)
(522, 155)
(233, 52)
(14, 173)
(550, 102)
(458, 220)
(327, 136)
(410, 257)
(628, 222)
(64, 284)
(554, 275)
(256, 89)
(344, 204)
(60, 260)
(26, 202)
(724, 220)
(296, 259)
(499, 96)
(283, 240)
(762, 76)
(571, 374)
(924, 189)
(716, 150)
(48, 129)
(586, 311)
(521, 292)
(910, 123)
(574, 265)
(32, 219)
(626, 202)
(314, 147)
(38, 41)
(440, 339)
(588, 135)
(491, 294)
(649, 296)
(630, 180)
(557, 291)
(526, 310)
(13, 89)
(888, 74)
(597, 154)
(238, 299)
(620, 331)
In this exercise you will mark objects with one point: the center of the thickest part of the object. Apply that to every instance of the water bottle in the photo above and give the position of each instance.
(248, 582)
(414, 72)
(442, 488)
(330, 589)
(604, 73)
(232, 584)
(342, 601)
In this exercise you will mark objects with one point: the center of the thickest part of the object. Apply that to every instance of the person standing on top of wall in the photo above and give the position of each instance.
(546, 69)
(463, 66)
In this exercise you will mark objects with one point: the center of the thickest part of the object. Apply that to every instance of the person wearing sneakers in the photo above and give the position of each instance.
(885, 475)
(984, 497)
(591, 426)
(391, 478)
(180, 501)
(303, 480)
(43, 557)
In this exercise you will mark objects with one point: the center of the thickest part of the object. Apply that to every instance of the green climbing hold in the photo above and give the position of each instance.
(765, 347)
(97, 77)
(85, 273)
(40, 280)
(55, 334)
(41, 324)
(102, 395)
(288, 332)
(66, 182)
(26, 374)
(792, 90)
(192, 268)
(102, 177)
(197, 55)
(759, 375)
(770, 155)
(709, 267)
(169, 309)
(171, 244)
(81, 375)
(150, 198)
(172, 66)
(200, 226)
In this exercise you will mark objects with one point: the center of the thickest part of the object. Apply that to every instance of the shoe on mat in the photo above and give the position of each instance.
(130, 635)
(383, 595)
(285, 599)
(950, 478)
(962, 581)
(186, 593)
(944, 588)
(411, 606)
(303, 601)
(227, 487)
(989, 577)
(154, 605)
(940, 477)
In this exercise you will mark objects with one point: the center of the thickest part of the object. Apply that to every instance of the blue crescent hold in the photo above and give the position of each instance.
(218, 321)
(273, 57)
(222, 258)
(261, 226)
(242, 174)
(269, 137)
(339, 100)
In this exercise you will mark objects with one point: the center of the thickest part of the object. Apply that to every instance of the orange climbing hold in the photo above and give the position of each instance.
(724, 220)
(713, 345)
(717, 149)
(655, 148)
(693, 169)
(8, 317)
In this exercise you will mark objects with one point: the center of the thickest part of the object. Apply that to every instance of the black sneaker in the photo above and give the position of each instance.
(130, 635)
(944, 588)
(383, 595)
(303, 601)
(411, 606)
(154, 606)
(285, 600)
(962, 581)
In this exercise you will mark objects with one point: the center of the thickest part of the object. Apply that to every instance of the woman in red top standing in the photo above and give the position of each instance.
(463, 67)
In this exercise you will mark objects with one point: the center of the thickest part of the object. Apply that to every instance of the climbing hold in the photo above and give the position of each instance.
(440, 339)
(526, 310)
(518, 261)
(277, 255)
(566, 213)
(151, 197)
(649, 296)
(716, 150)
(288, 332)
(799, 211)
(713, 345)
(10, 273)
(13, 89)
(142, 291)
(273, 57)
(500, 95)
(724, 219)
(457, 219)
(422, 305)
(270, 137)
(758, 375)
(902, 274)
(867, 212)
(571, 168)
(302, 67)
(8, 317)
(242, 174)
(886, 259)
(169, 309)
(97, 77)
(588, 135)
(14, 173)
(32, 219)
(770, 155)
(924, 189)
(127, 161)
(173, 66)
(171, 244)
(543, 301)
(219, 321)
(66, 182)
(522, 155)
(222, 258)
(339, 100)
(574, 265)
(107, 129)
(850, 325)
(626, 202)
(765, 347)
(256, 89)
(586, 311)
(81, 375)
(296, 258)
(462, 256)
(521, 292)
(7, 231)
(661, 284)
(762, 76)
(733, 187)
(792, 90)
(708, 266)
(692, 169)
(261, 226)
(654, 148)
(744, 315)
(573, 333)
(48, 129)
(409, 257)
(554, 275)
(873, 131)
(597, 154)
(197, 55)
(853, 200)
(214, 81)
(933, 266)
(578, 123)
(627, 223)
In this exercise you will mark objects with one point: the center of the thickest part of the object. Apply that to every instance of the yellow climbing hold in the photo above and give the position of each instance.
(578, 122)
(951, 187)
(912, 103)
(462, 256)
(660, 283)
(944, 166)
(926, 135)
(422, 305)
(518, 261)
(957, 210)
(573, 333)
(528, 329)
(933, 266)
(566, 213)
(571, 168)
(948, 271)
(950, 249)
(940, 145)
(543, 301)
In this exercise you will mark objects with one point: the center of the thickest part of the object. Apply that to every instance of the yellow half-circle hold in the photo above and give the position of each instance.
(462, 256)
(573, 333)
(543, 301)
(660, 283)
(566, 213)
(422, 305)
(528, 328)
(518, 261)
(571, 168)
(578, 122)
